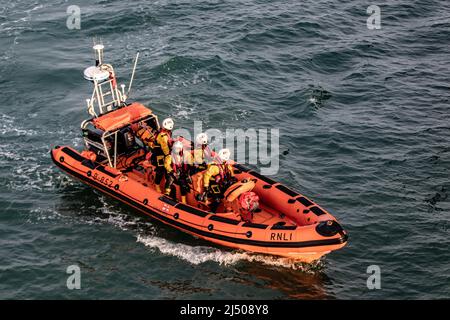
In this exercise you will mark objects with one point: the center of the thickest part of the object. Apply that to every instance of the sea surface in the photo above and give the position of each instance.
(364, 128)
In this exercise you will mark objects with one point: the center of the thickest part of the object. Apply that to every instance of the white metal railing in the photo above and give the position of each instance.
(106, 95)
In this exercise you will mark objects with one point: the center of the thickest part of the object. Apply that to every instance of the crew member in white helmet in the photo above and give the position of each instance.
(217, 178)
(202, 153)
(161, 150)
(178, 167)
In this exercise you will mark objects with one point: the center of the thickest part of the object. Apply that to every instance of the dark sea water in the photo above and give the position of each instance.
(373, 149)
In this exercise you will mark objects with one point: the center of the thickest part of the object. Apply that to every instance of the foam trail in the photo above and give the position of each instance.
(201, 254)
(195, 254)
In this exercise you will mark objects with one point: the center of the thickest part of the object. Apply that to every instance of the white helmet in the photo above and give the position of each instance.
(168, 124)
(224, 155)
(201, 138)
(177, 146)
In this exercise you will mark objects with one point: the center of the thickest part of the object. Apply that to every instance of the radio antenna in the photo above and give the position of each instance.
(132, 75)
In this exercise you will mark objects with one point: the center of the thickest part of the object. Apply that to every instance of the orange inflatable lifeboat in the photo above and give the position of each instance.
(257, 215)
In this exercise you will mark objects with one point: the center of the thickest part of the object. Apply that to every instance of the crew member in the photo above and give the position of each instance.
(161, 150)
(144, 133)
(217, 178)
(178, 166)
(202, 153)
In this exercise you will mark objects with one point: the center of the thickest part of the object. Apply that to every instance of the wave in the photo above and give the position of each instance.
(8, 127)
(182, 111)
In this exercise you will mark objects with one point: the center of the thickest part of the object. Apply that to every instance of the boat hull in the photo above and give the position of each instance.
(302, 243)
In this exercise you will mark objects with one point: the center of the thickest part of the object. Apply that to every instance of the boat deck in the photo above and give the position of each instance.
(265, 215)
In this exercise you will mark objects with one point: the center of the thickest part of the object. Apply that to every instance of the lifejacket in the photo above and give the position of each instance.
(179, 164)
(157, 146)
(201, 158)
(224, 173)
(204, 156)
(158, 154)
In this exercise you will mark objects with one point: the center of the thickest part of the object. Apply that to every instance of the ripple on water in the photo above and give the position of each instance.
(374, 152)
